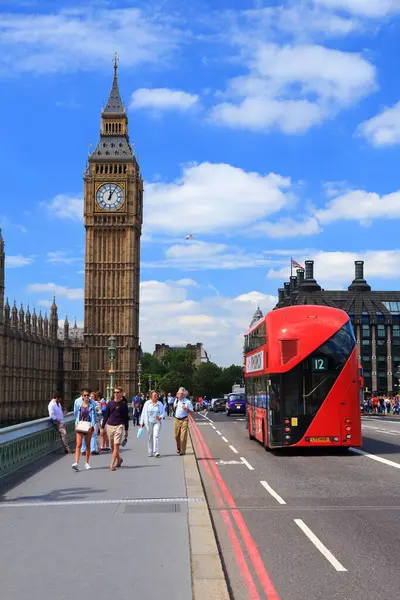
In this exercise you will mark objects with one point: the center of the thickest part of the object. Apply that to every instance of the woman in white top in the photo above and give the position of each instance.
(151, 418)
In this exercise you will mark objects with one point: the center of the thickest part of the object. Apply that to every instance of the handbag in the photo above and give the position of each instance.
(83, 427)
(140, 432)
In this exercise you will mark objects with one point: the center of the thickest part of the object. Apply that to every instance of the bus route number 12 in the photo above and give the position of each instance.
(319, 364)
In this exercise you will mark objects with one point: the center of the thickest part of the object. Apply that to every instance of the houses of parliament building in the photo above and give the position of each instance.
(37, 357)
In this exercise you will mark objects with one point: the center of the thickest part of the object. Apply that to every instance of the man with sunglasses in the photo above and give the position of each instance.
(116, 419)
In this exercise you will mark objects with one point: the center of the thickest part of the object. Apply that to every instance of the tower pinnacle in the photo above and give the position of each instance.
(114, 105)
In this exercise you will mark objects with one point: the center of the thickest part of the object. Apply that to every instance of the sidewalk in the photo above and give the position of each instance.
(109, 535)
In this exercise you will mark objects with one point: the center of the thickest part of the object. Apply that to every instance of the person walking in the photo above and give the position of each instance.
(94, 449)
(170, 404)
(104, 443)
(136, 409)
(56, 415)
(183, 407)
(151, 418)
(85, 422)
(116, 422)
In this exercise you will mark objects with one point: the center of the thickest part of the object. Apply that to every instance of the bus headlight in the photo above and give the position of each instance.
(348, 436)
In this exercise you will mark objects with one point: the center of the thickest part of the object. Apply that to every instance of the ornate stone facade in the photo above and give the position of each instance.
(36, 356)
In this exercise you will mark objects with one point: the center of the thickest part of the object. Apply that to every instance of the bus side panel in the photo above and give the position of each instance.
(260, 424)
(249, 419)
(342, 402)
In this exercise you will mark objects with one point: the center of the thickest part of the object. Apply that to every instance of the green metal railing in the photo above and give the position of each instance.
(24, 443)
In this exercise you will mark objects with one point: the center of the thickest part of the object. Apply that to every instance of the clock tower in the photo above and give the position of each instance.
(113, 214)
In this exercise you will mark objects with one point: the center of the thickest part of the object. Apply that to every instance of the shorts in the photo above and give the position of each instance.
(115, 433)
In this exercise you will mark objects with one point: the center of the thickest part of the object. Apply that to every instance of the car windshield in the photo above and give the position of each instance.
(237, 398)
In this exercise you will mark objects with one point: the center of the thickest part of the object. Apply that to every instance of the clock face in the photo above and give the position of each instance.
(110, 196)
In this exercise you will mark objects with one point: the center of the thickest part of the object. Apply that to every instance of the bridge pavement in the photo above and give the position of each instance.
(100, 534)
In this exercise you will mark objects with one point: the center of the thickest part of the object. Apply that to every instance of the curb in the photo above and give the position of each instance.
(208, 578)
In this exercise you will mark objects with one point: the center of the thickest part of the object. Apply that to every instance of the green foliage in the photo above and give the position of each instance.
(176, 369)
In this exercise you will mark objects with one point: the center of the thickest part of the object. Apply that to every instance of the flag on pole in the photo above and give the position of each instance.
(296, 265)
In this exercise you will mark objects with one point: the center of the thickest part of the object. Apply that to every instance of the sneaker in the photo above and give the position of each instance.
(87, 466)
(75, 467)
(157, 455)
(150, 456)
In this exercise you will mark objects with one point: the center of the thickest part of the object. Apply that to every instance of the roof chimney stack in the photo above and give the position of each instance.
(309, 282)
(300, 277)
(359, 283)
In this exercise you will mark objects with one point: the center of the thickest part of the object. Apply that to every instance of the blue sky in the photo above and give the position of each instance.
(266, 129)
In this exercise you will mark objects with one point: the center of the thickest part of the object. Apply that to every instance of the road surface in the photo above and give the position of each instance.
(303, 524)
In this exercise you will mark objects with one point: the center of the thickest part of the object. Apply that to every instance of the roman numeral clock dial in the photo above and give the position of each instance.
(110, 196)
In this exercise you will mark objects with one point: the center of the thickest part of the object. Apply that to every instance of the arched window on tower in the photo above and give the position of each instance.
(124, 168)
(101, 169)
(120, 169)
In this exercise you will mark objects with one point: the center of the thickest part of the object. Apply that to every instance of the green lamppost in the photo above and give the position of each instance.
(112, 355)
(149, 382)
(139, 370)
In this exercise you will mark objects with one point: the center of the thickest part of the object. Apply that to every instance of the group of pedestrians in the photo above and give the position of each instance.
(94, 416)
(382, 405)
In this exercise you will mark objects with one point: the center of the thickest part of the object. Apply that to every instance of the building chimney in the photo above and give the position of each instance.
(281, 294)
(293, 284)
(359, 283)
(309, 269)
(300, 277)
(309, 284)
(287, 289)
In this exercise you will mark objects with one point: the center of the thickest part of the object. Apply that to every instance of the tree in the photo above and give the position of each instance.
(206, 380)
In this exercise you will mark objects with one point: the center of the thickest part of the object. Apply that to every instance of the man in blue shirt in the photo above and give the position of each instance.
(183, 407)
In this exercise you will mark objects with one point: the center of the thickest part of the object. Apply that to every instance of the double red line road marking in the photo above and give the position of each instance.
(240, 536)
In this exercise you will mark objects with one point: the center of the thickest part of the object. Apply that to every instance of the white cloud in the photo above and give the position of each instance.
(66, 207)
(362, 206)
(44, 303)
(335, 268)
(201, 255)
(383, 129)
(213, 197)
(301, 19)
(365, 8)
(58, 290)
(13, 262)
(218, 322)
(61, 257)
(163, 99)
(83, 39)
(293, 87)
(287, 227)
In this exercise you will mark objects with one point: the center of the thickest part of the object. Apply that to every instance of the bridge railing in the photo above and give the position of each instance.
(26, 442)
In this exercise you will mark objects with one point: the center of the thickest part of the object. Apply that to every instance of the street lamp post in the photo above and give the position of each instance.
(149, 382)
(139, 370)
(112, 355)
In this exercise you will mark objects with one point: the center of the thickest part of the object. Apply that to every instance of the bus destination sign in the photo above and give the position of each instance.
(255, 362)
(319, 363)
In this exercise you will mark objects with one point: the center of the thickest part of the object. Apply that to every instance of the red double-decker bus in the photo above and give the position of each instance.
(302, 378)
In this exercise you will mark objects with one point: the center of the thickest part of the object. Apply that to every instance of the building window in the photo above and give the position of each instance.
(396, 331)
(76, 359)
(394, 307)
(381, 331)
(366, 342)
(366, 331)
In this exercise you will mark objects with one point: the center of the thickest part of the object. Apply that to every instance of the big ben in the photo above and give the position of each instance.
(113, 208)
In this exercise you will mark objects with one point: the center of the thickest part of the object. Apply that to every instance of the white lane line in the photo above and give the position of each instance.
(224, 438)
(385, 461)
(219, 433)
(213, 426)
(248, 465)
(318, 544)
(233, 449)
(272, 492)
(205, 417)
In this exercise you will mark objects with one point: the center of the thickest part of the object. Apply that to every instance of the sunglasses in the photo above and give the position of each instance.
(86, 395)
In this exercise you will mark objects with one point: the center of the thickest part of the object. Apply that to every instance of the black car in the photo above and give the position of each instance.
(219, 404)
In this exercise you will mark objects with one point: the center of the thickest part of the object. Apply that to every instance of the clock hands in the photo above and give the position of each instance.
(111, 193)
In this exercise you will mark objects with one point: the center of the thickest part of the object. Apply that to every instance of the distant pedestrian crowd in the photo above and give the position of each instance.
(102, 425)
(382, 405)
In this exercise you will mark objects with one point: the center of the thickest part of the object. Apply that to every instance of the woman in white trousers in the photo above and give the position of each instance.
(151, 418)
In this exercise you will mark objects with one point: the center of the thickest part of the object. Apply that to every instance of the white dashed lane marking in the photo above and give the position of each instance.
(248, 465)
